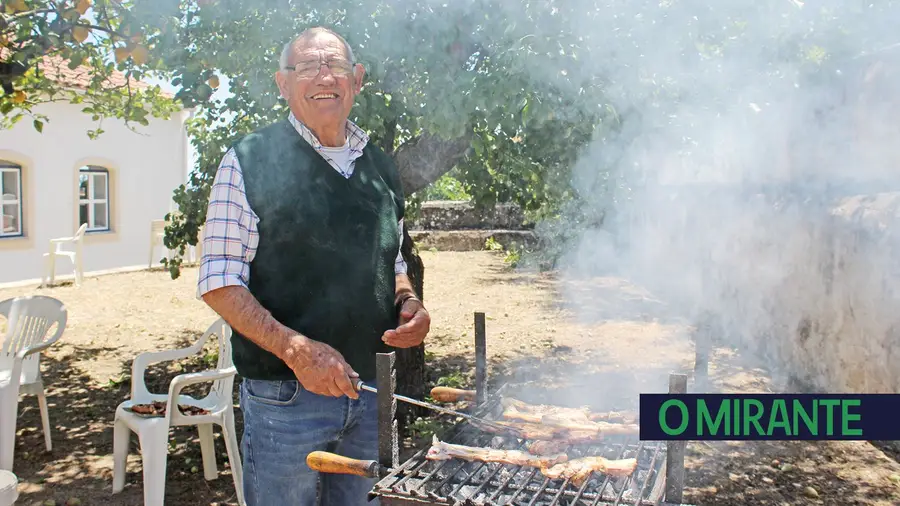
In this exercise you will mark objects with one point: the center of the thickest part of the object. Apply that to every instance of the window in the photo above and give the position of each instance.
(93, 198)
(10, 199)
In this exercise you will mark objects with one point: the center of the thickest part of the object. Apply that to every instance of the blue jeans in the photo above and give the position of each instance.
(283, 423)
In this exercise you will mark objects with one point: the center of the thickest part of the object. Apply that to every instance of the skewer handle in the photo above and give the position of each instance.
(447, 394)
(326, 462)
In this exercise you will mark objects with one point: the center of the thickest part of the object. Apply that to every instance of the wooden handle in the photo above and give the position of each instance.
(447, 394)
(326, 462)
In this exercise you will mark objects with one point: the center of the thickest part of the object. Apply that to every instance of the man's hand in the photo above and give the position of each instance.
(319, 367)
(414, 325)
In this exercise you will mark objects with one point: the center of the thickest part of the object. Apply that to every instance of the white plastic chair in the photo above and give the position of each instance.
(6, 224)
(28, 321)
(75, 256)
(153, 433)
(9, 488)
(157, 238)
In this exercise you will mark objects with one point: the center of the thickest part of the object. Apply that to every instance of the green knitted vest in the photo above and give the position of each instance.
(327, 245)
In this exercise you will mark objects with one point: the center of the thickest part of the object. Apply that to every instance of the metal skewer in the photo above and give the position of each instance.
(362, 386)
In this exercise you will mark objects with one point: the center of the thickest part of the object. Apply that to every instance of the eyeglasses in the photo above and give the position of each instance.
(312, 69)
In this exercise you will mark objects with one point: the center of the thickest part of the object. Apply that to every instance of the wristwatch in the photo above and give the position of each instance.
(403, 299)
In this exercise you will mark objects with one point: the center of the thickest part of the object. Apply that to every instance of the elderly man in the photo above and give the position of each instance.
(301, 257)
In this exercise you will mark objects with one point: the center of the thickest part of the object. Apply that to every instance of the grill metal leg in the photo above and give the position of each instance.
(480, 360)
(675, 450)
(388, 437)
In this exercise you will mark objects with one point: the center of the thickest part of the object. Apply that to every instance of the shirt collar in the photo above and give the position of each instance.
(356, 137)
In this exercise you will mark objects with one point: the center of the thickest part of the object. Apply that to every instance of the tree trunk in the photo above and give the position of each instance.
(420, 162)
(411, 361)
(424, 159)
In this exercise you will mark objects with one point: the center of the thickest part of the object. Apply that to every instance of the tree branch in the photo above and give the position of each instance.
(25, 14)
(424, 159)
(102, 29)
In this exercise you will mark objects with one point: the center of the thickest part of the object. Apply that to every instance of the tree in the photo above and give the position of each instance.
(546, 103)
(37, 37)
(508, 93)
(447, 86)
(431, 101)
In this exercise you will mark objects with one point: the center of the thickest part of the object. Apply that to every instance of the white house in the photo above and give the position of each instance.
(55, 181)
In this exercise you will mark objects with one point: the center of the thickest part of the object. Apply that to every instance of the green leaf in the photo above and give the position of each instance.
(38, 125)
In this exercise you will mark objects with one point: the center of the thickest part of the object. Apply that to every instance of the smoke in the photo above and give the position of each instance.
(741, 185)
(742, 170)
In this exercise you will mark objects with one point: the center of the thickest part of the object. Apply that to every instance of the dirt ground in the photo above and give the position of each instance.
(599, 341)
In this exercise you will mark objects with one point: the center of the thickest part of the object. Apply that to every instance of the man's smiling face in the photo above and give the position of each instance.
(322, 84)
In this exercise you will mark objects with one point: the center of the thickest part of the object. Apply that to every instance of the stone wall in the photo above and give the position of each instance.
(454, 215)
(457, 226)
(810, 285)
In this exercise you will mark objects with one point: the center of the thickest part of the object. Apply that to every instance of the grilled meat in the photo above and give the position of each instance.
(542, 447)
(603, 428)
(578, 470)
(158, 408)
(534, 413)
(561, 431)
(557, 466)
(445, 451)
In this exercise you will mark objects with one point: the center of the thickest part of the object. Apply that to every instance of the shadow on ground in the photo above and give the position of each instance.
(717, 473)
(81, 410)
(771, 472)
(81, 418)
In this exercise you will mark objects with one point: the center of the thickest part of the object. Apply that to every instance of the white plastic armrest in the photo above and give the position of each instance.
(154, 357)
(24, 352)
(43, 345)
(62, 239)
(182, 380)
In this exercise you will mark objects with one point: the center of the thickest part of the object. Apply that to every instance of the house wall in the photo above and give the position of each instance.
(145, 166)
(809, 288)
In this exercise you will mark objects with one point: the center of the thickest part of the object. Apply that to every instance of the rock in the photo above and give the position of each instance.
(776, 463)
(895, 478)
(787, 468)
(50, 502)
(73, 501)
(768, 480)
(811, 492)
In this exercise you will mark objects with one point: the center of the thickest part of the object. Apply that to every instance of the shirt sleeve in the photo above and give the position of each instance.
(400, 264)
(230, 236)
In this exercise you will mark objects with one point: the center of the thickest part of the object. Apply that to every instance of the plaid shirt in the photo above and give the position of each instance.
(230, 236)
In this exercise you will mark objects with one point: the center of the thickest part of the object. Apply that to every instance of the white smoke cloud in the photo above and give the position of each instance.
(759, 121)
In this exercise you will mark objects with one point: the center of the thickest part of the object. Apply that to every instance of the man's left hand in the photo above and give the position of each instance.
(414, 325)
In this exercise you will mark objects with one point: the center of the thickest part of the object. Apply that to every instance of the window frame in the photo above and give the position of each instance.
(92, 171)
(7, 166)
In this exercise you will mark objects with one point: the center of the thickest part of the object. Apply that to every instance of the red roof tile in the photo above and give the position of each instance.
(57, 69)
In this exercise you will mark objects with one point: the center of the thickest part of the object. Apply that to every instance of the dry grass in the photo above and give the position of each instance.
(603, 334)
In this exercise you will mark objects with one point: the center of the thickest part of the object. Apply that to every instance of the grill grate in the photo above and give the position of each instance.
(457, 481)
(418, 481)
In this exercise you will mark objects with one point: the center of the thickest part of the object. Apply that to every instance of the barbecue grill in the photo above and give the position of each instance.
(658, 479)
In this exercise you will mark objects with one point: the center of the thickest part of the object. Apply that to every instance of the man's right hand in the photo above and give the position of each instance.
(319, 367)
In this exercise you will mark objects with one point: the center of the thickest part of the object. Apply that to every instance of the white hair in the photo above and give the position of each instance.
(286, 51)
